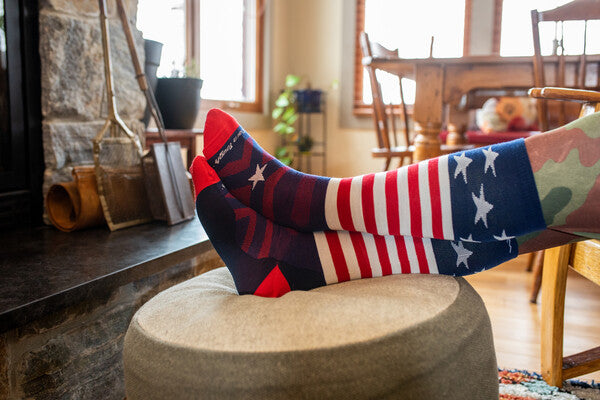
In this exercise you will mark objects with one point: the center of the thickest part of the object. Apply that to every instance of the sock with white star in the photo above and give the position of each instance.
(269, 260)
(484, 194)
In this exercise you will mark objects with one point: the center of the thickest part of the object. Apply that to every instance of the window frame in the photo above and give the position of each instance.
(361, 109)
(193, 53)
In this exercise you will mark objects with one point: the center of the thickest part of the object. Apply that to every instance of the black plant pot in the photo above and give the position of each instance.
(153, 52)
(179, 101)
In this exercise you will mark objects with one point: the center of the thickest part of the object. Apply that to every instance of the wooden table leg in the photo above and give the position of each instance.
(427, 141)
(428, 111)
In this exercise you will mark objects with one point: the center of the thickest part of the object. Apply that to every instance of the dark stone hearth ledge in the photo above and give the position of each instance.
(43, 270)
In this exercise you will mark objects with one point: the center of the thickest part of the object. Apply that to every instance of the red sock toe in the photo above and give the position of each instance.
(202, 174)
(219, 126)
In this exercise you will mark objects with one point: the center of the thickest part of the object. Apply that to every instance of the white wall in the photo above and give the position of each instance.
(315, 39)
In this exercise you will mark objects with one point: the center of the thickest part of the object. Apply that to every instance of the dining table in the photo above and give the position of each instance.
(441, 84)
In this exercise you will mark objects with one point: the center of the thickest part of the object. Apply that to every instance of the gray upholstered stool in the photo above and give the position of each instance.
(409, 337)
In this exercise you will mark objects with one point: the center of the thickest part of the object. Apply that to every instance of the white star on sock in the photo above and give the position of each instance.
(490, 157)
(462, 162)
(505, 237)
(462, 254)
(483, 207)
(470, 239)
(258, 175)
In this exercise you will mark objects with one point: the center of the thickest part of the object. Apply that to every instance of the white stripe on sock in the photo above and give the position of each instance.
(349, 254)
(325, 258)
(445, 199)
(372, 254)
(412, 255)
(425, 198)
(356, 209)
(403, 200)
(392, 249)
(331, 210)
(379, 203)
(433, 268)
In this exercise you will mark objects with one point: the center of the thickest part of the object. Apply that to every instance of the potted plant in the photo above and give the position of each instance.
(178, 97)
(288, 105)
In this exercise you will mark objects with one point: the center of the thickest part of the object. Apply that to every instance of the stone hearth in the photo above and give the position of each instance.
(73, 89)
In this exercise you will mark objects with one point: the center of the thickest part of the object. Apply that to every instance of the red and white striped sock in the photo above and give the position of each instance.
(268, 259)
(480, 195)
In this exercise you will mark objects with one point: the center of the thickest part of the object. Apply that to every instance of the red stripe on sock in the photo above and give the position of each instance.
(382, 253)
(416, 223)
(420, 249)
(249, 232)
(269, 191)
(391, 196)
(368, 204)
(361, 254)
(302, 199)
(266, 245)
(241, 165)
(436, 200)
(402, 254)
(343, 205)
(337, 255)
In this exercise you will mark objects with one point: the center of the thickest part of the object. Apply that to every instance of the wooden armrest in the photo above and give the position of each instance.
(554, 93)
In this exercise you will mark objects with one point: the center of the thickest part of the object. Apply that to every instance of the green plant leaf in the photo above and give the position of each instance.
(292, 80)
(282, 101)
(281, 128)
(277, 112)
(289, 130)
(286, 161)
(281, 152)
(289, 112)
(292, 119)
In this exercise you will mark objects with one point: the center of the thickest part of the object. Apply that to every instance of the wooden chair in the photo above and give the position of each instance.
(583, 257)
(381, 113)
(577, 10)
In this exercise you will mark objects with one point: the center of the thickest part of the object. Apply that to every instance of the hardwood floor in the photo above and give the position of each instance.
(516, 322)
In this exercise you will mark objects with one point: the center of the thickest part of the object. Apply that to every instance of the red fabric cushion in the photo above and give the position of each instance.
(478, 137)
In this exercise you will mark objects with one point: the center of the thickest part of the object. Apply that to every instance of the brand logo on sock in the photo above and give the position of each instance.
(229, 147)
(223, 152)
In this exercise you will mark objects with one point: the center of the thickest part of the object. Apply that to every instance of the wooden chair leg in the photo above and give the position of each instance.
(553, 309)
(530, 261)
(538, 267)
(387, 163)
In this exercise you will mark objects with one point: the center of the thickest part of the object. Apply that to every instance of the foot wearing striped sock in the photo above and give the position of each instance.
(267, 259)
(485, 194)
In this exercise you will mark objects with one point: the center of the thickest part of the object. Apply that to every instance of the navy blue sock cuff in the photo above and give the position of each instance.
(493, 191)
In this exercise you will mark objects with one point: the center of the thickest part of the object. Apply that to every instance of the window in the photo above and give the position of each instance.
(220, 40)
(409, 27)
(516, 37)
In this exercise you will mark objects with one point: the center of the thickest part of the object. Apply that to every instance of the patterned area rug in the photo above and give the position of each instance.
(525, 385)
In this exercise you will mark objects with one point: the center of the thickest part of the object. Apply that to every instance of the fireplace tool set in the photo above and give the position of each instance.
(125, 187)
(135, 187)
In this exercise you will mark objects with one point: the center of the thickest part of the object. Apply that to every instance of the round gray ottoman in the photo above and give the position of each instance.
(403, 336)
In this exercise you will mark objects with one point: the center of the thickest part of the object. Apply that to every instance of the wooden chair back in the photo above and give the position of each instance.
(577, 10)
(584, 257)
(386, 138)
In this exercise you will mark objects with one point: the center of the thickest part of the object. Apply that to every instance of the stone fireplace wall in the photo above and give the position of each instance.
(73, 85)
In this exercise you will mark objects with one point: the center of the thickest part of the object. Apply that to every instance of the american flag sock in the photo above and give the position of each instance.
(269, 260)
(480, 195)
